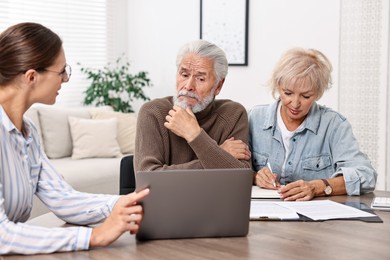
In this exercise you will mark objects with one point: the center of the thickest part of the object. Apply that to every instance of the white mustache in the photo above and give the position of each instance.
(188, 94)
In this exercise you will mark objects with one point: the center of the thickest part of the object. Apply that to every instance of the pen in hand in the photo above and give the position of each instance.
(270, 169)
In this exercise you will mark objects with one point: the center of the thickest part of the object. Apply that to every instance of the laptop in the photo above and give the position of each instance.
(195, 203)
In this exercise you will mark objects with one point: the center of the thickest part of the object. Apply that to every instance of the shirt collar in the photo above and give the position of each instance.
(5, 121)
(311, 123)
(270, 120)
(313, 118)
(205, 112)
(9, 126)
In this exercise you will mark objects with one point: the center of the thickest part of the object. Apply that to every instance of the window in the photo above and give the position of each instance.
(84, 27)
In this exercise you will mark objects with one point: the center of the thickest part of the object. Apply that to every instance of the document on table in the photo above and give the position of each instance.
(263, 210)
(325, 209)
(315, 210)
(259, 193)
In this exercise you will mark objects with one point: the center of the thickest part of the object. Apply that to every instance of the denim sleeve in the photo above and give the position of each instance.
(359, 175)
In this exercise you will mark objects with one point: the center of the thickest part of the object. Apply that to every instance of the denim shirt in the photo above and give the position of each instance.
(325, 147)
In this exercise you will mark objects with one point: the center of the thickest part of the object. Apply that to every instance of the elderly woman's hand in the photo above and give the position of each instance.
(298, 190)
(266, 179)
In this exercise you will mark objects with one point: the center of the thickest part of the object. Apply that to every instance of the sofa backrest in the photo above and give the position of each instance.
(53, 126)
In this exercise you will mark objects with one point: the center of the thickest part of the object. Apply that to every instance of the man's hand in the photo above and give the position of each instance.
(237, 148)
(183, 123)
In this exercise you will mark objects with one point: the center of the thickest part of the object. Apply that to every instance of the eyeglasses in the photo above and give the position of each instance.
(65, 74)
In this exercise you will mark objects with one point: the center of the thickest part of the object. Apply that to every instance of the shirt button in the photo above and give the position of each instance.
(294, 139)
(289, 163)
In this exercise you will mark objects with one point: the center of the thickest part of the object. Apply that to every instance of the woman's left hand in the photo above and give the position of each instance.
(298, 190)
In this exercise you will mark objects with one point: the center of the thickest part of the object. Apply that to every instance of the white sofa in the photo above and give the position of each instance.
(85, 145)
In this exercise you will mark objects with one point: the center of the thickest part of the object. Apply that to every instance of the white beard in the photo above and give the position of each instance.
(199, 106)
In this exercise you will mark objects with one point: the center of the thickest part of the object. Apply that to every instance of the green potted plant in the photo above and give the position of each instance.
(115, 86)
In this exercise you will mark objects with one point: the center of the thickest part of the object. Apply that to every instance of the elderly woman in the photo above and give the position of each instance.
(310, 148)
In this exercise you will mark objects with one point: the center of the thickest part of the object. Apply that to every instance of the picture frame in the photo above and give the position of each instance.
(225, 23)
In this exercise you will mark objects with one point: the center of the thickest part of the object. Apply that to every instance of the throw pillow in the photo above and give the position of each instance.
(127, 123)
(55, 129)
(94, 138)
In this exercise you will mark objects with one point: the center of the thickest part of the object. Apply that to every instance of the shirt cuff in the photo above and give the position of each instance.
(110, 205)
(83, 238)
(111, 202)
(352, 181)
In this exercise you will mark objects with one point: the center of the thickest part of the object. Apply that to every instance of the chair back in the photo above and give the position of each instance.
(126, 177)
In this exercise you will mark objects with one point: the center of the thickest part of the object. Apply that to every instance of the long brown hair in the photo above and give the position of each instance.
(26, 46)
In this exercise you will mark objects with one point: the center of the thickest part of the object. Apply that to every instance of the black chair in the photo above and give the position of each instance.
(126, 177)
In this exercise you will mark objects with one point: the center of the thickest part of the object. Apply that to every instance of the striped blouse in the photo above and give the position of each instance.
(25, 170)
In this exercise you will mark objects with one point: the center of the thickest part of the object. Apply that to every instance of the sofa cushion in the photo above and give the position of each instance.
(55, 129)
(93, 175)
(94, 138)
(126, 127)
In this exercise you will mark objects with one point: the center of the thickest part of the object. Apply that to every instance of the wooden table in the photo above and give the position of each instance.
(332, 239)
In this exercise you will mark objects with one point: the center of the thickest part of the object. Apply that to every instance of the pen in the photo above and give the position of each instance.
(269, 167)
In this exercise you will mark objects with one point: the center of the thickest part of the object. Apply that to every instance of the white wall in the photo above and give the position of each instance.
(157, 29)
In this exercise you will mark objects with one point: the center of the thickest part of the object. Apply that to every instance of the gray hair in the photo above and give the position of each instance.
(209, 50)
(299, 66)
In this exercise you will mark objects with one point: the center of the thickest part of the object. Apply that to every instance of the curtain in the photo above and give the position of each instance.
(83, 27)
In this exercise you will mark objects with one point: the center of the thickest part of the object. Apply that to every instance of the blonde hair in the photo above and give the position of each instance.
(298, 66)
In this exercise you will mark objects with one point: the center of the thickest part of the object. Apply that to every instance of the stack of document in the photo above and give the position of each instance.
(288, 210)
(261, 210)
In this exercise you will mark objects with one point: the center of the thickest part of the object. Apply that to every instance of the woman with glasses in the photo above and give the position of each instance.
(32, 69)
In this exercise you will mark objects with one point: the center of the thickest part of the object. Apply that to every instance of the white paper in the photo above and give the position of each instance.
(270, 210)
(324, 209)
(259, 193)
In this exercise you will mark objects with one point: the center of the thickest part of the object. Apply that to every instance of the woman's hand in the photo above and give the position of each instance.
(307, 190)
(125, 216)
(266, 179)
(237, 148)
(298, 190)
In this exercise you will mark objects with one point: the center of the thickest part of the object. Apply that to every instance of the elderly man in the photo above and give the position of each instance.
(192, 130)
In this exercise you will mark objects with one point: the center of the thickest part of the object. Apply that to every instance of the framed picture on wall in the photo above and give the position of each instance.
(225, 23)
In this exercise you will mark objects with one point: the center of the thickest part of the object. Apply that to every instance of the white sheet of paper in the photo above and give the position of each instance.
(259, 193)
(270, 210)
(324, 209)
